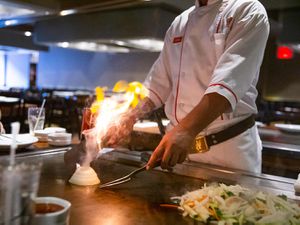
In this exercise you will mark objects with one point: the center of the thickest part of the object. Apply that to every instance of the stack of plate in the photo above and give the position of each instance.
(60, 139)
(42, 135)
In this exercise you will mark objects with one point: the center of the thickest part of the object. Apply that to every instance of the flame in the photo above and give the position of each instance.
(108, 111)
(99, 98)
(120, 86)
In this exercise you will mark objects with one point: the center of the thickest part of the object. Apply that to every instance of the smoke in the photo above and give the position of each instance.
(91, 146)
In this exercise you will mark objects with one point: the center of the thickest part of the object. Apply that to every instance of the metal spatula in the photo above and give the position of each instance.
(127, 177)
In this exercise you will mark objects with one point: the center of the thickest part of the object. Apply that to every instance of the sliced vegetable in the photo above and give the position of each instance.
(235, 205)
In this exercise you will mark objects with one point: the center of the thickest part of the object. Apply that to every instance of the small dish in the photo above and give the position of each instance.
(60, 136)
(55, 129)
(44, 216)
(59, 143)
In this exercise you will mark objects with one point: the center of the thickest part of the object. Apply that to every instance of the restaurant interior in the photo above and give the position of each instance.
(59, 51)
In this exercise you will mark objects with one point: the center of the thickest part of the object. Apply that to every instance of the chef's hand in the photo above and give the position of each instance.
(119, 133)
(173, 148)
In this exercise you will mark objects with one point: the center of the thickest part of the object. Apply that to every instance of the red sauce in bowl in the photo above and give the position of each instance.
(43, 208)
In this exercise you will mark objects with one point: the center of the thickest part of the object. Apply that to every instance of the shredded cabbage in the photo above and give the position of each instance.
(235, 205)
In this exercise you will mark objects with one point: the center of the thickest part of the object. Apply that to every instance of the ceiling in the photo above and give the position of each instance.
(14, 9)
(20, 16)
(44, 19)
(28, 11)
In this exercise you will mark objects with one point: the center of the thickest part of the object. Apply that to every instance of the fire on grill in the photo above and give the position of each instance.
(106, 112)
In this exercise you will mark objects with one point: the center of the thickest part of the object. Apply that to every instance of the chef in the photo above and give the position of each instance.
(206, 77)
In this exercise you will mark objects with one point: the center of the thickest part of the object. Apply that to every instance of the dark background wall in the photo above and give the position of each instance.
(67, 68)
(280, 78)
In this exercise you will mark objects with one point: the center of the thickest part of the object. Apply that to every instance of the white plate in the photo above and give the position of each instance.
(290, 128)
(23, 140)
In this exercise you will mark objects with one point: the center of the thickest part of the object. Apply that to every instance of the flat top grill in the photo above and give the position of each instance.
(135, 202)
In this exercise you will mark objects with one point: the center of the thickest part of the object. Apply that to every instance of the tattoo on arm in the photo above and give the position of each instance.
(142, 109)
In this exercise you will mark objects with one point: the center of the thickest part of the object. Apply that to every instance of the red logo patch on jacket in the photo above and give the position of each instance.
(177, 40)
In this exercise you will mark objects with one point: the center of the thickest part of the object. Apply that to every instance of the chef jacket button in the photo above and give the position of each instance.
(181, 104)
(215, 142)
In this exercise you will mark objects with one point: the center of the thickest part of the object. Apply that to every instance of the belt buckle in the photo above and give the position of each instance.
(200, 144)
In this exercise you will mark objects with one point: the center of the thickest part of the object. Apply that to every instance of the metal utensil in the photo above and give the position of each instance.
(127, 177)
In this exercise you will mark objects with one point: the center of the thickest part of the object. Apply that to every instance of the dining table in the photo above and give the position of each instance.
(8, 100)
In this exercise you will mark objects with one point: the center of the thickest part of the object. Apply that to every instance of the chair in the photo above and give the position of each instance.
(10, 105)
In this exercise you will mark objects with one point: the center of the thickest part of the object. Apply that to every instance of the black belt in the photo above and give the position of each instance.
(203, 143)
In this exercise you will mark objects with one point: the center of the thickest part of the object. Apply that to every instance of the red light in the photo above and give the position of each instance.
(284, 52)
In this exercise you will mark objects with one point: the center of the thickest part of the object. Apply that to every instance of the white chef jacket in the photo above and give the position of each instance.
(217, 48)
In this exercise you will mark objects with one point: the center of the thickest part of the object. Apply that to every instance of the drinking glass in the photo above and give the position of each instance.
(33, 114)
(88, 119)
(18, 188)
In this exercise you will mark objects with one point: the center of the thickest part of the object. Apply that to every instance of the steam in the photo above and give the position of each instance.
(91, 147)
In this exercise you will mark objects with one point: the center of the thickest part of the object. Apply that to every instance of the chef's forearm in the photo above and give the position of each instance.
(208, 109)
(143, 108)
